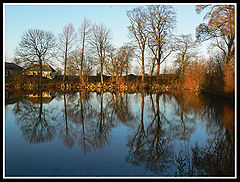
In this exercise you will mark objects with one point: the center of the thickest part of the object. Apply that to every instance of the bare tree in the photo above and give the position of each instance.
(118, 61)
(84, 31)
(185, 47)
(100, 44)
(77, 67)
(67, 38)
(126, 53)
(161, 21)
(137, 28)
(36, 46)
(73, 67)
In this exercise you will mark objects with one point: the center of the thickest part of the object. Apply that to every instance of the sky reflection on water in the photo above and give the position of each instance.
(118, 134)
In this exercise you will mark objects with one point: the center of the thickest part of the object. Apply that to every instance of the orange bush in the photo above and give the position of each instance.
(195, 76)
(229, 78)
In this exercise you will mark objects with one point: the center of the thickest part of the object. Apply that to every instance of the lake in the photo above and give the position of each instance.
(89, 134)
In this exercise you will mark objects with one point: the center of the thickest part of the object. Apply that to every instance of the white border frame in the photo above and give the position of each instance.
(104, 4)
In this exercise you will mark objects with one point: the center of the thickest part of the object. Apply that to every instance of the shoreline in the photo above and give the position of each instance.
(122, 87)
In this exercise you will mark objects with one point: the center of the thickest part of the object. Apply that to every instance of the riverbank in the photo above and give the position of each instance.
(166, 84)
(92, 87)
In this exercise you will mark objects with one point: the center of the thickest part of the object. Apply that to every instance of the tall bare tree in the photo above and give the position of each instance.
(138, 23)
(161, 20)
(100, 44)
(84, 30)
(185, 50)
(36, 46)
(67, 38)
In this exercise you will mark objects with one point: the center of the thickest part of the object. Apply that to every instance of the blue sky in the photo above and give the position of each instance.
(19, 18)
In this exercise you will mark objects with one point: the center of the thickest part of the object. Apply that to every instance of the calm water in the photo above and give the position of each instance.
(119, 134)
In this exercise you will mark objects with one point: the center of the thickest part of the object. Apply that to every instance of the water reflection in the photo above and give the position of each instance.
(163, 130)
(34, 120)
(150, 145)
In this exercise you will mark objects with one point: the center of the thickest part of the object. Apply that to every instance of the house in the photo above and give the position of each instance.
(47, 70)
(11, 69)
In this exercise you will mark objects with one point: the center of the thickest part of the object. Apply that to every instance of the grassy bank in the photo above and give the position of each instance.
(123, 84)
(129, 84)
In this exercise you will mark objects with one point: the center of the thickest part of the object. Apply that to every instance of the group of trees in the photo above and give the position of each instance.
(151, 28)
(219, 70)
(78, 51)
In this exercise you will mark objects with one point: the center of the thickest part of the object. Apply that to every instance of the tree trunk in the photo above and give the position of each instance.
(142, 66)
(181, 74)
(101, 72)
(158, 63)
(81, 71)
(151, 72)
(153, 66)
(65, 61)
(65, 67)
(158, 67)
(40, 78)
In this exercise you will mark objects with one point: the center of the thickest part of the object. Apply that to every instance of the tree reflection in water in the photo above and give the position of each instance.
(100, 132)
(216, 158)
(66, 133)
(151, 146)
(34, 120)
(161, 129)
(162, 143)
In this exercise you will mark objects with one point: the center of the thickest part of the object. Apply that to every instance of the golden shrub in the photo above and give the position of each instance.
(195, 76)
(229, 77)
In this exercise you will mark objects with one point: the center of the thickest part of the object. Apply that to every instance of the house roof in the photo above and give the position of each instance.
(12, 66)
(36, 67)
